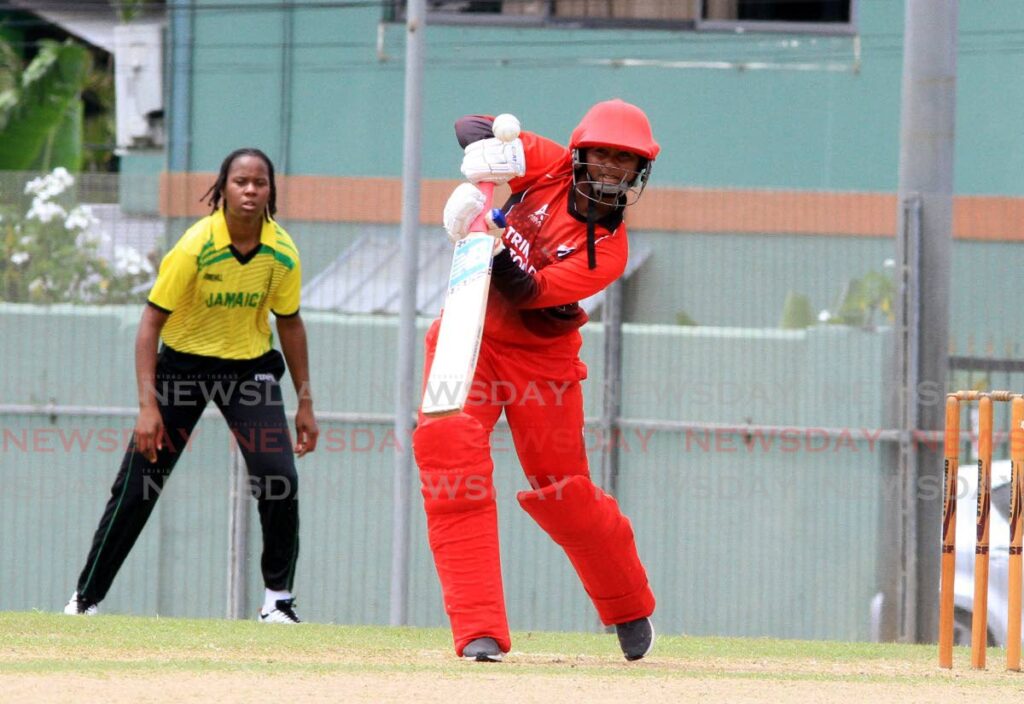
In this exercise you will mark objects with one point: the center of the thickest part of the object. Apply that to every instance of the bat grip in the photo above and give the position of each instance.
(480, 223)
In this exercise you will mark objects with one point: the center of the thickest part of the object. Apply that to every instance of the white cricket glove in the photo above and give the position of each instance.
(464, 205)
(494, 161)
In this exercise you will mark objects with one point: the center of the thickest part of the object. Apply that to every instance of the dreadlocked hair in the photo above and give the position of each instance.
(212, 197)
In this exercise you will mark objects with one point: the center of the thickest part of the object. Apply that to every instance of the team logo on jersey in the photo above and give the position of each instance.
(564, 251)
(232, 299)
(538, 216)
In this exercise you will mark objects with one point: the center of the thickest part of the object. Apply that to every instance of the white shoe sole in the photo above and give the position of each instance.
(484, 658)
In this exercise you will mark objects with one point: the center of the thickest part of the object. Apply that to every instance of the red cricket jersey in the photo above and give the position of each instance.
(543, 273)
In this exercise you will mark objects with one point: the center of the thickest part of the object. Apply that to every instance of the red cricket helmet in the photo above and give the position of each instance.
(616, 123)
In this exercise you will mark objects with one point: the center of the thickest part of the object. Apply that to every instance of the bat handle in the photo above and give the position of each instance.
(480, 224)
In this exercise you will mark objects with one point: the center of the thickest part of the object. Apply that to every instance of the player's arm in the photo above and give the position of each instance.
(563, 282)
(177, 273)
(149, 427)
(292, 333)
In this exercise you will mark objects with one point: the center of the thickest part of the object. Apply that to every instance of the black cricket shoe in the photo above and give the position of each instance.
(283, 612)
(483, 650)
(636, 638)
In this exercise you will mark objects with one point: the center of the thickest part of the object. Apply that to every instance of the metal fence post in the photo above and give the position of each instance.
(611, 403)
(238, 537)
(406, 389)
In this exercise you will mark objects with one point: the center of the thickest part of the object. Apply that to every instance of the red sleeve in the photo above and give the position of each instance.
(543, 156)
(567, 281)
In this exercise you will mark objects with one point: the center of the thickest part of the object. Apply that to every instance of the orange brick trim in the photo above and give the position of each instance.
(317, 198)
(379, 200)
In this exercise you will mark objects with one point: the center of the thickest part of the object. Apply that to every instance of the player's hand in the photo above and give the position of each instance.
(493, 160)
(149, 432)
(464, 205)
(306, 431)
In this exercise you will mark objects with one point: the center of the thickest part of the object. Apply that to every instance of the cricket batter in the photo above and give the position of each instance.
(210, 305)
(565, 241)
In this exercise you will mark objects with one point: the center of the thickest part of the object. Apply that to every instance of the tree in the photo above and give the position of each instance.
(41, 108)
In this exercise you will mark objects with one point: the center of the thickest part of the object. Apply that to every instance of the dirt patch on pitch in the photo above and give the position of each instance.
(427, 677)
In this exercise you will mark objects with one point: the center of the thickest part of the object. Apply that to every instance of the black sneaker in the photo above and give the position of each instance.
(483, 650)
(636, 638)
(283, 612)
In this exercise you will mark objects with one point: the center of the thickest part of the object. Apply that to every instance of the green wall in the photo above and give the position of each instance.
(804, 129)
(139, 184)
(799, 500)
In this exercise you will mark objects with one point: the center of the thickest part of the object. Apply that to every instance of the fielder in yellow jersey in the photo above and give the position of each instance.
(221, 300)
(211, 305)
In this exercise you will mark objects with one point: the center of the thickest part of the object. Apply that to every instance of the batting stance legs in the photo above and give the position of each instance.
(453, 454)
(249, 397)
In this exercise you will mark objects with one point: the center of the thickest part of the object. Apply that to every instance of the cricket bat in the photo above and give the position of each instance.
(462, 323)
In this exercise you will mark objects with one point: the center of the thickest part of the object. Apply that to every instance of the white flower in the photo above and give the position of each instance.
(91, 238)
(53, 184)
(80, 218)
(61, 176)
(35, 186)
(36, 286)
(19, 258)
(26, 240)
(128, 260)
(824, 316)
(44, 211)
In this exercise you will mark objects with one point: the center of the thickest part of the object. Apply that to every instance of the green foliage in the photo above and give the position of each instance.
(865, 303)
(797, 313)
(864, 299)
(127, 10)
(41, 109)
(683, 318)
(10, 67)
(99, 130)
(53, 252)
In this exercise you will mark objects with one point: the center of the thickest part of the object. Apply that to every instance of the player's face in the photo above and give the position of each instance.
(247, 190)
(611, 166)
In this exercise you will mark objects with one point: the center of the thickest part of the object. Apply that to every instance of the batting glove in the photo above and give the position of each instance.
(464, 205)
(494, 161)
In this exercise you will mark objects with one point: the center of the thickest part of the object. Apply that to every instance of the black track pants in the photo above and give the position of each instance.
(249, 397)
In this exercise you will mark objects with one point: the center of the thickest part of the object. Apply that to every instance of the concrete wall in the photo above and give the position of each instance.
(714, 514)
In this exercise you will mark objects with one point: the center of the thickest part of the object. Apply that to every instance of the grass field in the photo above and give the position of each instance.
(54, 658)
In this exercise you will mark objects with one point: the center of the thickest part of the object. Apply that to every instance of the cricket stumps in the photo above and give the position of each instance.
(979, 622)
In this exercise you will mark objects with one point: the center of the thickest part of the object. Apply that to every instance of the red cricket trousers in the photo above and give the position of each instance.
(539, 391)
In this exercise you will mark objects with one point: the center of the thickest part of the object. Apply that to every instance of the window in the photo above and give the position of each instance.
(779, 15)
(797, 11)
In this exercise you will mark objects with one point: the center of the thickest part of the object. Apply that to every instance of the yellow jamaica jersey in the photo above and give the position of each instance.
(219, 300)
